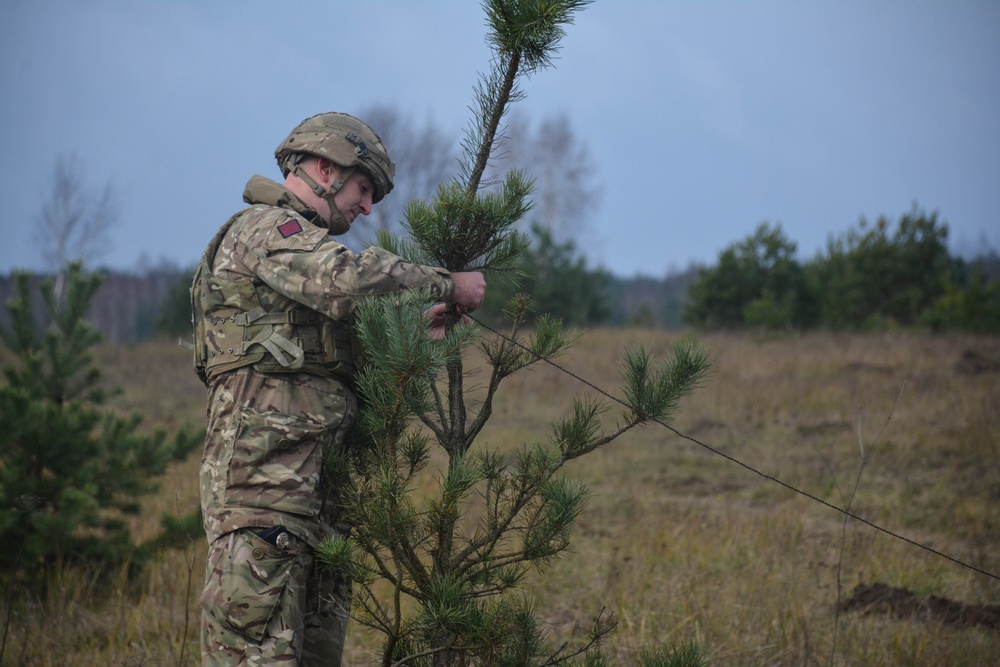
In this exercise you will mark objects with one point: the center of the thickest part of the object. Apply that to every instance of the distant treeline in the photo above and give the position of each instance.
(132, 307)
(874, 276)
(127, 307)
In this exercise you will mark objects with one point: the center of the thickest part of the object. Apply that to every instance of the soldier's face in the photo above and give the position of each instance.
(354, 197)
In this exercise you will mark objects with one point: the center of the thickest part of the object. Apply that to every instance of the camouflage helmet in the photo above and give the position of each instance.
(343, 140)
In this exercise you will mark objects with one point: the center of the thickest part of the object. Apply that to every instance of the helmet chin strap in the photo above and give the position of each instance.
(338, 223)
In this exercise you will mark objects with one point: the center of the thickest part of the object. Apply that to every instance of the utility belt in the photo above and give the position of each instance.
(292, 341)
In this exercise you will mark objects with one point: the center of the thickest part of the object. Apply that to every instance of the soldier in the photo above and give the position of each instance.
(273, 299)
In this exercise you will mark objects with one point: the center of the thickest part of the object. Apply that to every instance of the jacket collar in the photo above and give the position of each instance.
(260, 190)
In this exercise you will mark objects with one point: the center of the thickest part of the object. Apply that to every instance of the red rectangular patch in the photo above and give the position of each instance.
(289, 228)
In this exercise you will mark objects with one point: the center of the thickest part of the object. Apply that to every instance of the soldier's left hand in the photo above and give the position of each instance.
(437, 320)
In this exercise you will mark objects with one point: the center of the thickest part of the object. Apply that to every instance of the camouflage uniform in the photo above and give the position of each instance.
(273, 301)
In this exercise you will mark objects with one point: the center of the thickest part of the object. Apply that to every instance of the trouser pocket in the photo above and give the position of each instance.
(246, 579)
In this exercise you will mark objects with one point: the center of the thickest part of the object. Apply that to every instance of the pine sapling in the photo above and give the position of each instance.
(438, 553)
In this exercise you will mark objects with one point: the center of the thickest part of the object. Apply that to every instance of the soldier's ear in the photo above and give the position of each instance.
(327, 170)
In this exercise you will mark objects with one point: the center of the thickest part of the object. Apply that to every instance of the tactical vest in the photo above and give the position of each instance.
(233, 329)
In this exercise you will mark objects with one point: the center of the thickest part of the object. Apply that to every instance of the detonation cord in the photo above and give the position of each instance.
(733, 459)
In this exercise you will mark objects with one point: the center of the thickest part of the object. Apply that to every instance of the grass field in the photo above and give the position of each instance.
(678, 542)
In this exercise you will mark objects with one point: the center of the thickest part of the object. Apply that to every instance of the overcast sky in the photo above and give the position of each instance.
(703, 118)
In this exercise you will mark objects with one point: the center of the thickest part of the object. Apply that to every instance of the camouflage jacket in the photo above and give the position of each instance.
(268, 431)
(282, 243)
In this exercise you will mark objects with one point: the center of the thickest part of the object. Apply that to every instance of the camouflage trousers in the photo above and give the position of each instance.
(267, 605)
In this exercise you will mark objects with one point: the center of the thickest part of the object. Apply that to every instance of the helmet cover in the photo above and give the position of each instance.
(343, 140)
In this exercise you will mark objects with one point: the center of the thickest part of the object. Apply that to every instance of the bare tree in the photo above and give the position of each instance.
(562, 169)
(75, 221)
(425, 157)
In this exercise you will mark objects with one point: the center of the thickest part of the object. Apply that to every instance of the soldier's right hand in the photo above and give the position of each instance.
(470, 288)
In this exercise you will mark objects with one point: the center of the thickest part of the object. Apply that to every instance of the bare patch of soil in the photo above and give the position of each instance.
(974, 363)
(900, 603)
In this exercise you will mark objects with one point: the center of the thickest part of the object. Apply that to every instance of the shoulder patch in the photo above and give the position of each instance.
(289, 228)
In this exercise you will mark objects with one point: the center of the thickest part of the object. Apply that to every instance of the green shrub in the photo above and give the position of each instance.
(71, 472)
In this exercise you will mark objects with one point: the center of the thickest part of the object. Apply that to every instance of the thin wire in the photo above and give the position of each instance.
(732, 459)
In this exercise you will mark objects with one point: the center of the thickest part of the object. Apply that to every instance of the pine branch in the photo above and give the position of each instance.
(503, 98)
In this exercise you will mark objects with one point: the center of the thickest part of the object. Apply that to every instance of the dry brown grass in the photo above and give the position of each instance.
(677, 542)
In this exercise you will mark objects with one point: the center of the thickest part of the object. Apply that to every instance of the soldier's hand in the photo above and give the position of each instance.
(436, 320)
(470, 288)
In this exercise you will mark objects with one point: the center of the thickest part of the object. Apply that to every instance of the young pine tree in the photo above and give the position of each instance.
(70, 471)
(453, 559)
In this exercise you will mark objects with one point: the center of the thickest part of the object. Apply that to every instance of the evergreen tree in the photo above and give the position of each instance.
(971, 305)
(453, 558)
(874, 274)
(757, 282)
(70, 471)
(558, 281)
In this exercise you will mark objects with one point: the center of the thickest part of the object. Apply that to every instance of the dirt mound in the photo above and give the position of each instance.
(973, 363)
(900, 603)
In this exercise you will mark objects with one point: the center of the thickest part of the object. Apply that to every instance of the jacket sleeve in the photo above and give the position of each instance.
(322, 274)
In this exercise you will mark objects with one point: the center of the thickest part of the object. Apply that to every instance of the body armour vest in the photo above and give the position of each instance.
(243, 322)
